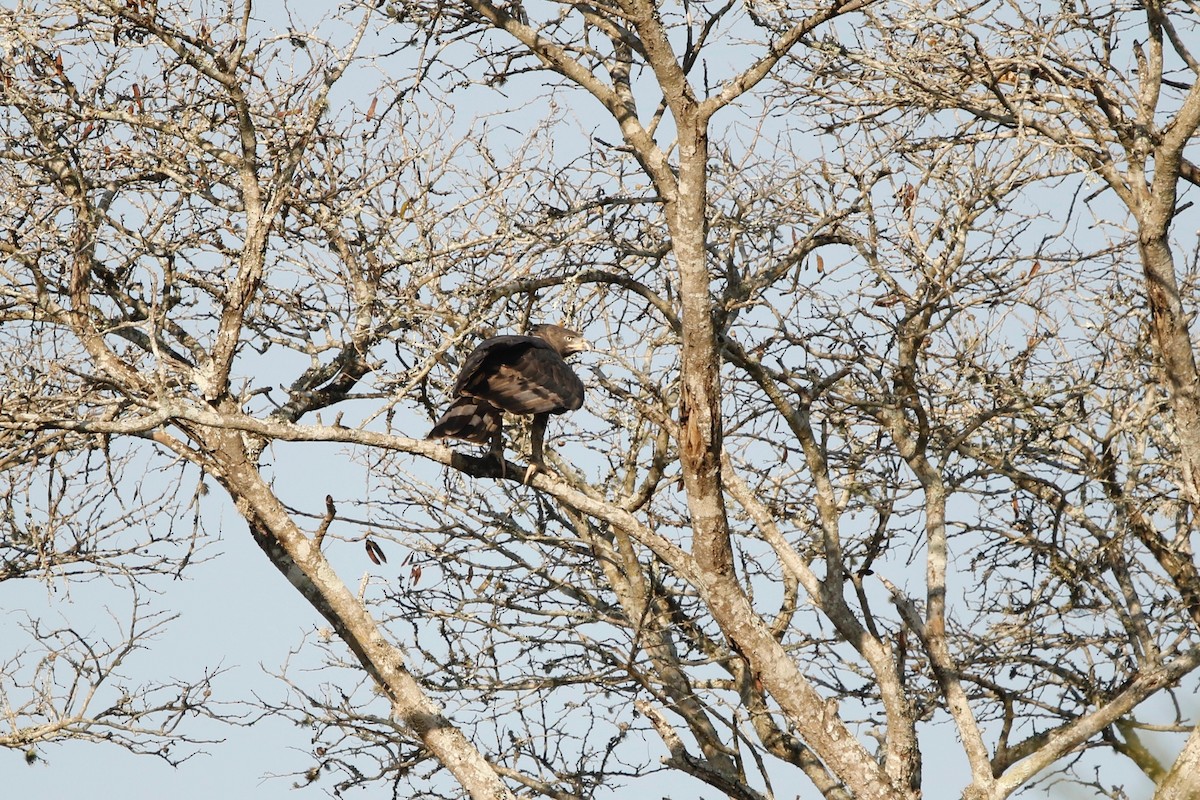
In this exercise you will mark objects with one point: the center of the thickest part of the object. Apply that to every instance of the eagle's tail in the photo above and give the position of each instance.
(469, 419)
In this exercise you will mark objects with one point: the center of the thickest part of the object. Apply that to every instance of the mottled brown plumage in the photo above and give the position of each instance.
(520, 375)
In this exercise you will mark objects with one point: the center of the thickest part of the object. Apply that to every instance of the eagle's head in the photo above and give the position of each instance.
(564, 340)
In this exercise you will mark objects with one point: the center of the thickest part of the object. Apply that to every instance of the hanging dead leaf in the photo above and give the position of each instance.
(375, 552)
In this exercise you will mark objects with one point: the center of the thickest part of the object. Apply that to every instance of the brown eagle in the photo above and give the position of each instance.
(517, 374)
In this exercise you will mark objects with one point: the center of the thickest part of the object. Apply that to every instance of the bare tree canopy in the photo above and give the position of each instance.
(888, 475)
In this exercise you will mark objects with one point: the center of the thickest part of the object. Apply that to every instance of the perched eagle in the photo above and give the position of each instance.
(517, 374)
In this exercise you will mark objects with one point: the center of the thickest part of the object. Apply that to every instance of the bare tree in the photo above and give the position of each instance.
(890, 440)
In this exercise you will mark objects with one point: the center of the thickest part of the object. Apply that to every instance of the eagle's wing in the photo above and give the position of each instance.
(484, 358)
(522, 375)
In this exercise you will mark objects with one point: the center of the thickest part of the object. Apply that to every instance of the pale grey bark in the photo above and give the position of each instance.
(1183, 779)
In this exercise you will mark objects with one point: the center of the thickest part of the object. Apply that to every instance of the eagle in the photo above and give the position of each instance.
(520, 375)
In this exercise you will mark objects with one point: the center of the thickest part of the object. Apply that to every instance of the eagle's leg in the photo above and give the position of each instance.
(496, 448)
(537, 432)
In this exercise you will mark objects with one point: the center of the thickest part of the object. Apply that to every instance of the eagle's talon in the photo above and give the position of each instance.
(530, 471)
